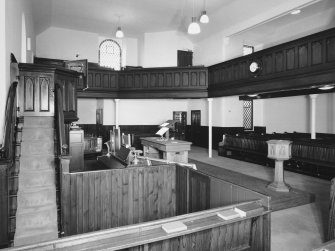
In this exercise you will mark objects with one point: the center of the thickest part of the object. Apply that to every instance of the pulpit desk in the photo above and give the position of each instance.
(173, 150)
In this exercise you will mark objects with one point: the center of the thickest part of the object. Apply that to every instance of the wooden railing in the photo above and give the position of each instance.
(7, 156)
(60, 126)
(8, 148)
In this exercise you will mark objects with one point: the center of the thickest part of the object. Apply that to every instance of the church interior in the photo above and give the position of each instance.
(167, 125)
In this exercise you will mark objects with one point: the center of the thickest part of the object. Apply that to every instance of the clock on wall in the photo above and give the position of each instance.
(254, 66)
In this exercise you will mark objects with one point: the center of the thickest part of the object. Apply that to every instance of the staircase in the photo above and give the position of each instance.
(36, 216)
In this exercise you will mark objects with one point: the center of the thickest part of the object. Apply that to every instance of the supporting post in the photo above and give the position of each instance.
(313, 120)
(116, 113)
(210, 122)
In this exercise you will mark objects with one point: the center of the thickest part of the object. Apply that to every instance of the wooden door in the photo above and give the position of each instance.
(196, 127)
(184, 58)
(180, 126)
(36, 94)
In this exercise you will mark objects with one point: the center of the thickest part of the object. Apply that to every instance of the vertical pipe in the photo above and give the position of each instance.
(116, 113)
(210, 127)
(313, 115)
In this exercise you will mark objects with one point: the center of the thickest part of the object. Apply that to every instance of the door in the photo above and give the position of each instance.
(36, 94)
(196, 127)
(180, 126)
(184, 58)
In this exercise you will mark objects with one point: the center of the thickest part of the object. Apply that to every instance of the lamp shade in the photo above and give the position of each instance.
(194, 27)
(119, 33)
(204, 19)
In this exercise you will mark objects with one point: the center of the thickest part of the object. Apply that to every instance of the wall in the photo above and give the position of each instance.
(65, 44)
(227, 44)
(293, 114)
(160, 48)
(227, 111)
(131, 111)
(15, 16)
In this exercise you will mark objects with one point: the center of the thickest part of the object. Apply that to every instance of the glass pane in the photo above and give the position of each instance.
(110, 54)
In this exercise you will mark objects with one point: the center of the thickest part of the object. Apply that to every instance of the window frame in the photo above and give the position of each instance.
(116, 43)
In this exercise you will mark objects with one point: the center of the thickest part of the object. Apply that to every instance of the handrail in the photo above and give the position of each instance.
(148, 159)
(62, 147)
(7, 149)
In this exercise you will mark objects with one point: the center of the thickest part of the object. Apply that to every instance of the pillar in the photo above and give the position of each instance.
(313, 115)
(116, 113)
(210, 122)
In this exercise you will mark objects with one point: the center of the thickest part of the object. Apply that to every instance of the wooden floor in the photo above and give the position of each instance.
(279, 200)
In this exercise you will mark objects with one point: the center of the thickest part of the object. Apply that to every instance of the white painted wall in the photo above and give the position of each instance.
(131, 111)
(160, 48)
(293, 114)
(62, 43)
(87, 111)
(11, 25)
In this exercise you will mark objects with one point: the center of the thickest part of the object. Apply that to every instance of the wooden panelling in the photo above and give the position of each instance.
(279, 61)
(316, 52)
(199, 197)
(29, 93)
(168, 79)
(330, 49)
(185, 79)
(290, 59)
(268, 64)
(303, 56)
(98, 200)
(137, 80)
(3, 205)
(297, 65)
(205, 231)
(177, 79)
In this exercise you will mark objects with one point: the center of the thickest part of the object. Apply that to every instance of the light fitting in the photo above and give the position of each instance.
(194, 27)
(204, 19)
(295, 12)
(119, 33)
(326, 87)
(252, 95)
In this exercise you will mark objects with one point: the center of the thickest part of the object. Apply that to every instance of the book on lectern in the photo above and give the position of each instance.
(175, 226)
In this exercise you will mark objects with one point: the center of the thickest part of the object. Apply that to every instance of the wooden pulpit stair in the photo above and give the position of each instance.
(36, 216)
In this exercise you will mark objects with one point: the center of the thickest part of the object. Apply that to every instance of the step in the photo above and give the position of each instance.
(32, 200)
(32, 163)
(38, 121)
(37, 148)
(32, 239)
(35, 224)
(35, 179)
(35, 134)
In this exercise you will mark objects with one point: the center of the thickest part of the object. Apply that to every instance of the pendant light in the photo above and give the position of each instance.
(119, 32)
(194, 27)
(204, 19)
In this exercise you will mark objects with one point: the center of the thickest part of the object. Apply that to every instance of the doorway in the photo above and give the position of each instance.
(196, 127)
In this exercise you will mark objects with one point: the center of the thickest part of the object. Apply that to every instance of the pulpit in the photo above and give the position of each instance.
(279, 150)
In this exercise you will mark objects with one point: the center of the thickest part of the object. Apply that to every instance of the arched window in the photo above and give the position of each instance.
(110, 54)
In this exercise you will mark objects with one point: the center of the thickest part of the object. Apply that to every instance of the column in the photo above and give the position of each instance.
(116, 113)
(210, 122)
(313, 114)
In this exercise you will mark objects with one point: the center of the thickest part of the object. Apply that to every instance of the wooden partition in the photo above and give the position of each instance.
(110, 198)
(105, 199)
(205, 231)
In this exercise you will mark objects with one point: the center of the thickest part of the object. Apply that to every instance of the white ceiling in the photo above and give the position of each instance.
(229, 17)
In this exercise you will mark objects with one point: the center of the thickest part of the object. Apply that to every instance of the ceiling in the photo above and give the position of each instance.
(229, 17)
